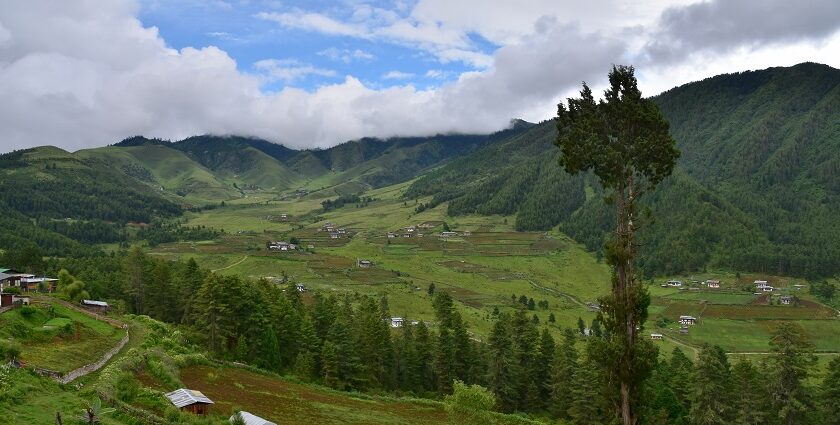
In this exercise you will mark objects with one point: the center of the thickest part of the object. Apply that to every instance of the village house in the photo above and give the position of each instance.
(674, 283)
(190, 401)
(281, 246)
(467, 233)
(335, 235)
(759, 284)
(798, 286)
(410, 229)
(397, 322)
(684, 330)
(365, 264)
(688, 320)
(786, 299)
(407, 235)
(284, 217)
(426, 225)
(300, 287)
(391, 235)
(448, 234)
(36, 283)
(656, 336)
(767, 288)
(96, 306)
(251, 419)
(713, 283)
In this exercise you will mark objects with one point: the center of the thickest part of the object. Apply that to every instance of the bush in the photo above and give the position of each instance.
(12, 290)
(126, 387)
(27, 311)
(9, 349)
(469, 403)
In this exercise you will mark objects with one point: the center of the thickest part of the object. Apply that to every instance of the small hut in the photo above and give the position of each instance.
(190, 401)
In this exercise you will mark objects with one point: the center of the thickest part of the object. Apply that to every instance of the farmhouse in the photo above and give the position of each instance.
(767, 288)
(284, 217)
(761, 284)
(334, 235)
(674, 283)
(410, 229)
(467, 233)
(281, 246)
(36, 283)
(448, 234)
(300, 287)
(96, 306)
(786, 299)
(392, 235)
(251, 419)
(365, 264)
(656, 336)
(688, 320)
(190, 400)
(713, 283)
(397, 322)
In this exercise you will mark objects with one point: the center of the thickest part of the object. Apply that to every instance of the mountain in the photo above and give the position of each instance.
(757, 186)
(63, 198)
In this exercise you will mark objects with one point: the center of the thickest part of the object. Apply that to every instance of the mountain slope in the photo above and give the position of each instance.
(756, 188)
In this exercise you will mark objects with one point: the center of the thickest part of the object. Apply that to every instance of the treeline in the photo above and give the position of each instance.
(165, 232)
(346, 342)
(342, 200)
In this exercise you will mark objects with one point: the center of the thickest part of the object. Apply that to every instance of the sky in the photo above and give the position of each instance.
(312, 74)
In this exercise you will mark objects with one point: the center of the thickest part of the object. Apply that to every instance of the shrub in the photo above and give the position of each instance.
(9, 349)
(469, 403)
(126, 387)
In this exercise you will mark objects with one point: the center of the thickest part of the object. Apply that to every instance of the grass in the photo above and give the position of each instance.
(60, 339)
(480, 271)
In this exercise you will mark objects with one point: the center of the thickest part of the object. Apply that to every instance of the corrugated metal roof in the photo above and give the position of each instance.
(185, 397)
(96, 303)
(251, 419)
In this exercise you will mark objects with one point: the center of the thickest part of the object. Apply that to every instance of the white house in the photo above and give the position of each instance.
(761, 284)
(688, 320)
(786, 299)
(282, 246)
(656, 336)
(674, 283)
(397, 322)
(767, 288)
(300, 287)
(713, 283)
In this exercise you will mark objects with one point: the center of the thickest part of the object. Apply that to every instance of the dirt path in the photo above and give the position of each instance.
(232, 265)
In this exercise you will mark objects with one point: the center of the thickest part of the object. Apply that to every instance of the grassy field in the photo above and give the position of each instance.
(57, 337)
(482, 270)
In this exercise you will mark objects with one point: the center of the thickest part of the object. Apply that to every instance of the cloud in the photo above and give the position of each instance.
(89, 73)
(397, 75)
(313, 22)
(288, 70)
(721, 26)
(346, 55)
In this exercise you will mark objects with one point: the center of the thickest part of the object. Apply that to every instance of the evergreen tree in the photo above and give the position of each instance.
(830, 394)
(134, 270)
(624, 140)
(749, 401)
(563, 368)
(712, 380)
(500, 364)
(791, 359)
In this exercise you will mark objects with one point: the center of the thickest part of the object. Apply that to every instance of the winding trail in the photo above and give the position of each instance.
(232, 265)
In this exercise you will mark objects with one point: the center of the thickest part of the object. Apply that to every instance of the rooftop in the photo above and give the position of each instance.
(185, 397)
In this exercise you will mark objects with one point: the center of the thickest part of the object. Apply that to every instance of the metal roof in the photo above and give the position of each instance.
(185, 397)
(251, 419)
(96, 303)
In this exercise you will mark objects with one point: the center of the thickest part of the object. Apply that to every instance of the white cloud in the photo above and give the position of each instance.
(346, 55)
(313, 22)
(397, 75)
(88, 73)
(288, 70)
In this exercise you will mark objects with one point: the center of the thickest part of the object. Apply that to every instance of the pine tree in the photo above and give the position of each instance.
(712, 379)
(542, 368)
(563, 368)
(423, 343)
(587, 398)
(500, 365)
(830, 394)
(749, 400)
(791, 361)
(625, 141)
(681, 377)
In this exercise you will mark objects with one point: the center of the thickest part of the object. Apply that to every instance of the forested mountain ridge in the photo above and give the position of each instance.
(754, 190)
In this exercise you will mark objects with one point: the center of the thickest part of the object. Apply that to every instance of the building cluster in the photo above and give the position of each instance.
(281, 246)
(334, 231)
(27, 282)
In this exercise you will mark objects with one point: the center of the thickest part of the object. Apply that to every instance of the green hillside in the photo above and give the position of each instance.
(756, 186)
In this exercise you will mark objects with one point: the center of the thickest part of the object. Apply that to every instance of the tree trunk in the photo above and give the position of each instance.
(624, 295)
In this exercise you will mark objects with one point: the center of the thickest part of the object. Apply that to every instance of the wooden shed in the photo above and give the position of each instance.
(190, 400)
